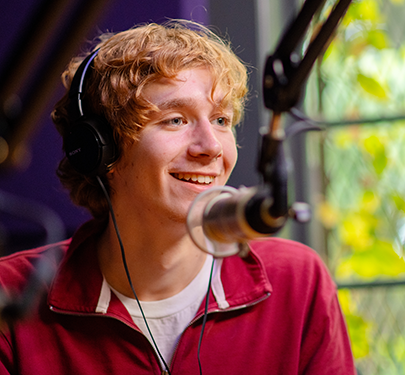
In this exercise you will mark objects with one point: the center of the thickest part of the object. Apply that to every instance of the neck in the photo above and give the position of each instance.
(161, 262)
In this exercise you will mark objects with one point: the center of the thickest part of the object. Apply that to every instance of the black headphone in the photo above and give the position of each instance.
(89, 144)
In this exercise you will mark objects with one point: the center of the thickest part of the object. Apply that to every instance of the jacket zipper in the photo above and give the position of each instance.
(164, 371)
(219, 310)
(240, 307)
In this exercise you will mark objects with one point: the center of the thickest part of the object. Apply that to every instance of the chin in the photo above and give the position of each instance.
(179, 215)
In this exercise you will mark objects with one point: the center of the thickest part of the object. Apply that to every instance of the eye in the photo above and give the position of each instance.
(175, 121)
(222, 121)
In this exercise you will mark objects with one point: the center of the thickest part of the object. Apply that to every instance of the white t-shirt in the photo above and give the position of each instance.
(168, 318)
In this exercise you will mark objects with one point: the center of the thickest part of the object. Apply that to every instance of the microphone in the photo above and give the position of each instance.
(245, 215)
(221, 220)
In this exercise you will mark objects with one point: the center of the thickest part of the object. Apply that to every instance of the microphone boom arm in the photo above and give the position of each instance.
(284, 77)
(285, 73)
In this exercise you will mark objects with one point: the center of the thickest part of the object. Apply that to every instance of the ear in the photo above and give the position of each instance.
(110, 174)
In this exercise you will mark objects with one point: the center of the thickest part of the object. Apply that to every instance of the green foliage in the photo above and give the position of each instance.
(379, 258)
(376, 152)
(364, 206)
(362, 75)
(365, 202)
(372, 86)
(357, 326)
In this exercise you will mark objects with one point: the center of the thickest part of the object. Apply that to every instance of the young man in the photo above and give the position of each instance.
(171, 95)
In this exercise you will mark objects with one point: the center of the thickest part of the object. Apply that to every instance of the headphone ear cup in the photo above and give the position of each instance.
(90, 147)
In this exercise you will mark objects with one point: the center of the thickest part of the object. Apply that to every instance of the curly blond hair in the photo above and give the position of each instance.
(125, 63)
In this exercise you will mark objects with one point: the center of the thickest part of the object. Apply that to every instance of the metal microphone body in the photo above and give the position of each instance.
(242, 216)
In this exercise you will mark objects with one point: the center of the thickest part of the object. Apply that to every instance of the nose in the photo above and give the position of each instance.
(204, 141)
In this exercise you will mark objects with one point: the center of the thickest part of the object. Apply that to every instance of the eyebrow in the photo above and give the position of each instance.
(187, 102)
(177, 103)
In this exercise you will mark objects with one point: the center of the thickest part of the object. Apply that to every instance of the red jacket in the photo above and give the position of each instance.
(283, 318)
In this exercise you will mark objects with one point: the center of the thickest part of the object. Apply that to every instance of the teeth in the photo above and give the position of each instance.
(194, 177)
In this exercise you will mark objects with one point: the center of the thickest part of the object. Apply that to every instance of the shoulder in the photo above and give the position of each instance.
(292, 263)
(304, 302)
(281, 252)
(17, 267)
(275, 247)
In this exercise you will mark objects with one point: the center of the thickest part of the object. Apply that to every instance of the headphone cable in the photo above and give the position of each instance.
(135, 295)
(124, 261)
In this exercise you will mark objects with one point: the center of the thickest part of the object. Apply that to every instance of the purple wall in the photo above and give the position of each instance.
(37, 180)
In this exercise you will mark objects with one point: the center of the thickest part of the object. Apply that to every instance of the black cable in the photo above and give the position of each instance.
(205, 315)
(124, 261)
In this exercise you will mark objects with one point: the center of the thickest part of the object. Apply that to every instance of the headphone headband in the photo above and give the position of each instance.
(77, 85)
(89, 144)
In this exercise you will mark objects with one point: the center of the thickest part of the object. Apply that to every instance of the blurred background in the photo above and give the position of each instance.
(351, 173)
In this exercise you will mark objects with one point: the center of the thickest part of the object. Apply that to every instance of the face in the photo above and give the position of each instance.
(186, 147)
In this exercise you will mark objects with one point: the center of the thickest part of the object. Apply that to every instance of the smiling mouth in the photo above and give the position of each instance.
(194, 178)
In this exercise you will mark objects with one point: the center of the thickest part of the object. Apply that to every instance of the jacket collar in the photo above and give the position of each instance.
(77, 283)
(77, 287)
